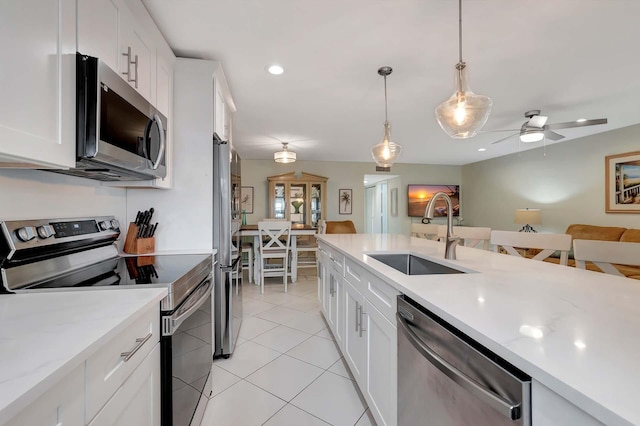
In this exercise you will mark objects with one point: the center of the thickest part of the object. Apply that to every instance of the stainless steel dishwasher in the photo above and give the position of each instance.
(446, 379)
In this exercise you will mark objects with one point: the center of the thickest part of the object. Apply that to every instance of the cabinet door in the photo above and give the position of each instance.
(37, 83)
(355, 347)
(98, 29)
(337, 308)
(63, 405)
(137, 401)
(141, 62)
(322, 272)
(382, 366)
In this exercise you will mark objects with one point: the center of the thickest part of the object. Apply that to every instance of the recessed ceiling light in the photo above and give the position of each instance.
(580, 120)
(482, 149)
(275, 69)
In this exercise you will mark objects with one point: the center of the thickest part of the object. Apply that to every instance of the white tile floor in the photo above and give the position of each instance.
(286, 369)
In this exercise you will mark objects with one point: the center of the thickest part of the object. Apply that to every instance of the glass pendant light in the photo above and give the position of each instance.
(386, 152)
(284, 156)
(464, 113)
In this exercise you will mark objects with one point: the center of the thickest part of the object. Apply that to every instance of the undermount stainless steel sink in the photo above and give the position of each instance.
(413, 265)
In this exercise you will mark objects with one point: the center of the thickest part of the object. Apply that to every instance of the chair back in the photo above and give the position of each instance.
(604, 253)
(472, 236)
(340, 227)
(275, 235)
(547, 243)
(425, 230)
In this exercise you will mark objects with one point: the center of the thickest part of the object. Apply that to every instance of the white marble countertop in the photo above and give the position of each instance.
(44, 336)
(575, 331)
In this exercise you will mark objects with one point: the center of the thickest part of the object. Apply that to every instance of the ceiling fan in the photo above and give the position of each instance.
(536, 128)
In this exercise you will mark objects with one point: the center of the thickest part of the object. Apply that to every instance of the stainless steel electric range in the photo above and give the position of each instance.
(80, 254)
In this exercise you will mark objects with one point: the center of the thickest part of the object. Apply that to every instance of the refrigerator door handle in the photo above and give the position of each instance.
(233, 265)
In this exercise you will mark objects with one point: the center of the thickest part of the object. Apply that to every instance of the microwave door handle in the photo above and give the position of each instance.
(163, 143)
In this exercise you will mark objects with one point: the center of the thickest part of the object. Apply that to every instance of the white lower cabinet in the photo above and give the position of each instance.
(550, 409)
(137, 401)
(62, 405)
(358, 308)
(382, 366)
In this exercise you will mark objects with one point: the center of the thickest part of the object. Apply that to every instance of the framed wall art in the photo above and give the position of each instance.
(246, 199)
(419, 196)
(345, 201)
(622, 180)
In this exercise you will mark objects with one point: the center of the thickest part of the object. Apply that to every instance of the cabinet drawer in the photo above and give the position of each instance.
(107, 370)
(355, 274)
(337, 259)
(382, 296)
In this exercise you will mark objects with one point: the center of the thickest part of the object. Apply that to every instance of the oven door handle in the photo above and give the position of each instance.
(171, 323)
(502, 405)
(163, 143)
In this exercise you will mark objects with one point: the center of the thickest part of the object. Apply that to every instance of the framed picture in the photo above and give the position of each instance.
(419, 196)
(345, 201)
(246, 199)
(394, 201)
(622, 177)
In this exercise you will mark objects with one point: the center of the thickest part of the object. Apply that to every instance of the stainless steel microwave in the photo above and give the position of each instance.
(119, 134)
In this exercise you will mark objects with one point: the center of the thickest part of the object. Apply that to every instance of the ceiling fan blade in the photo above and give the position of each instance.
(550, 134)
(570, 124)
(504, 139)
(537, 121)
(499, 131)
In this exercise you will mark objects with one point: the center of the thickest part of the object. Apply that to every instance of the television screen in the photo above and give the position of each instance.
(419, 196)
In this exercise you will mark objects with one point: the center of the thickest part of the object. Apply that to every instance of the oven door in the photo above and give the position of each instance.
(186, 358)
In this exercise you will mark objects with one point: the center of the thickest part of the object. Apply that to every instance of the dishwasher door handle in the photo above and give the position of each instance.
(503, 406)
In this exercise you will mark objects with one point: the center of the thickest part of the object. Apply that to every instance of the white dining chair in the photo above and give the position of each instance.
(547, 243)
(472, 236)
(248, 249)
(424, 230)
(604, 253)
(276, 239)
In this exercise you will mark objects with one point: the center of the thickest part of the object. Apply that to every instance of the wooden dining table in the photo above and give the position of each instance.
(296, 231)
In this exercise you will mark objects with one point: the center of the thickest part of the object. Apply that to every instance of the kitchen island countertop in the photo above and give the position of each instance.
(577, 332)
(46, 335)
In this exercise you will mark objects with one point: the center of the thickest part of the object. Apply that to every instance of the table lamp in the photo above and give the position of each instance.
(527, 217)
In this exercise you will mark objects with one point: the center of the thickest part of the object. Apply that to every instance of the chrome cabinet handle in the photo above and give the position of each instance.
(128, 72)
(357, 314)
(512, 410)
(140, 341)
(135, 62)
(360, 327)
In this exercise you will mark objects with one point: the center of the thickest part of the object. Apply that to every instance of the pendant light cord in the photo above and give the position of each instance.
(385, 100)
(460, 29)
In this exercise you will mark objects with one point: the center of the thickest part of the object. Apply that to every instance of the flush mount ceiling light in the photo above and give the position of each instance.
(386, 152)
(275, 69)
(464, 113)
(284, 156)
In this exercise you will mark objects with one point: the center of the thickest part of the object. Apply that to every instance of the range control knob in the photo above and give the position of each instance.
(105, 224)
(45, 231)
(26, 234)
(115, 224)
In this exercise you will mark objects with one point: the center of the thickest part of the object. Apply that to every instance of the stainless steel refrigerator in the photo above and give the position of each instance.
(226, 239)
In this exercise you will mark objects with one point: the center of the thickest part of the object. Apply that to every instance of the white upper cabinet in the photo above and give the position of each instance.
(37, 83)
(107, 29)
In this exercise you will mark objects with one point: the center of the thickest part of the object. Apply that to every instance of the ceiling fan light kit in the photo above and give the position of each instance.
(284, 156)
(386, 152)
(464, 113)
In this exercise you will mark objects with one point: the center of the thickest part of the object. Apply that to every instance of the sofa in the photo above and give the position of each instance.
(604, 233)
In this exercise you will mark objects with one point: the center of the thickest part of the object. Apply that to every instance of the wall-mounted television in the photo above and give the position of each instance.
(419, 196)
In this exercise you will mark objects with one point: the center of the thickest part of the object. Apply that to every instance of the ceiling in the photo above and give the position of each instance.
(571, 59)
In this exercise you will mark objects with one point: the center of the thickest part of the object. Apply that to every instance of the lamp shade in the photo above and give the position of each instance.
(284, 156)
(527, 217)
(386, 152)
(464, 113)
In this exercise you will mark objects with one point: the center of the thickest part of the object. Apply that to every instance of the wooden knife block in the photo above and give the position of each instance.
(133, 245)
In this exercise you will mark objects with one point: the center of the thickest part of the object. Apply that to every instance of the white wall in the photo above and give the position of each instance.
(345, 175)
(568, 184)
(35, 194)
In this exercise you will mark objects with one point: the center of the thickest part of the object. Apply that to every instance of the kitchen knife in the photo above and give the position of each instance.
(141, 230)
(137, 222)
(149, 216)
(153, 229)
